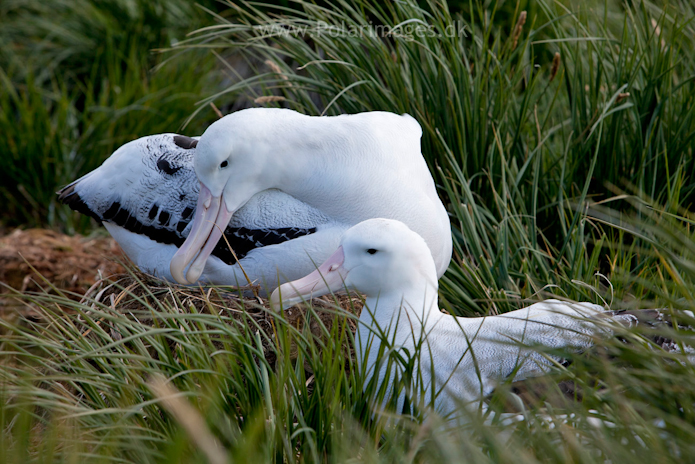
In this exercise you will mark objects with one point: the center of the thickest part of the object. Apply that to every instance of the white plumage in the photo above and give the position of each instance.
(300, 181)
(461, 360)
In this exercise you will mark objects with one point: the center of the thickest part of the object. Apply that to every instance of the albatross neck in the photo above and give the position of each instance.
(414, 307)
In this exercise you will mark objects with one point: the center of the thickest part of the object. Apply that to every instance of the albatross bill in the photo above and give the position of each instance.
(329, 276)
(210, 220)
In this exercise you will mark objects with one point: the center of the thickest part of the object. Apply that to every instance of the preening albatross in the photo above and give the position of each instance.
(283, 186)
(461, 360)
(145, 195)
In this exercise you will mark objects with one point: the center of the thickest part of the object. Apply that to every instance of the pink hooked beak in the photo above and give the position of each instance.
(210, 221)
(330, 276)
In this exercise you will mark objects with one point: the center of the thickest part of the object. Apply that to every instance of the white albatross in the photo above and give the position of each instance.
(460, 360)
(145, 195)
(282, 187)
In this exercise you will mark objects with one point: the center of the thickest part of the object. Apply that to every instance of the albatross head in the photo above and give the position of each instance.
(376, 257)
(230, 173)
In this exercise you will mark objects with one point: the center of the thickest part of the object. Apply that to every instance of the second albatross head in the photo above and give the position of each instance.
(376, 257)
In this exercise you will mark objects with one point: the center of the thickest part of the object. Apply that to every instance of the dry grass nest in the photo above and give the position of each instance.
(32, 259)
(94, 272)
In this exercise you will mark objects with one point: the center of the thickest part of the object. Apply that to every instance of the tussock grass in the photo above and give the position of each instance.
(97, 379)
(90, 362)
(77, 80)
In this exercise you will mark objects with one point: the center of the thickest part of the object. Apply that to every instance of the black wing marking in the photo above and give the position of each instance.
(244, 240)
(69, 197)
(241, 239)
(166, 167)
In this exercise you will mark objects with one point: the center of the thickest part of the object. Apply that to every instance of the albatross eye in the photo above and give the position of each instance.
(224, 164)
(371, 251)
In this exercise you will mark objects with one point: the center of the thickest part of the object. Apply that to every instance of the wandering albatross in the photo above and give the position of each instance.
(467, 357)
(283, 187)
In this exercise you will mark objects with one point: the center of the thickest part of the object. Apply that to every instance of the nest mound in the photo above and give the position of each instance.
(34, 258)
(135, 292)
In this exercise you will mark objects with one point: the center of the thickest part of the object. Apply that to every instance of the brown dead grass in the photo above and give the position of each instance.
(71, 263)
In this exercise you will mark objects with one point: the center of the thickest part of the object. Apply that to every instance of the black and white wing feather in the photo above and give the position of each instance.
(149, 187)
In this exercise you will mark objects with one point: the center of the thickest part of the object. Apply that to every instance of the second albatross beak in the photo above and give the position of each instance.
(330, 276)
